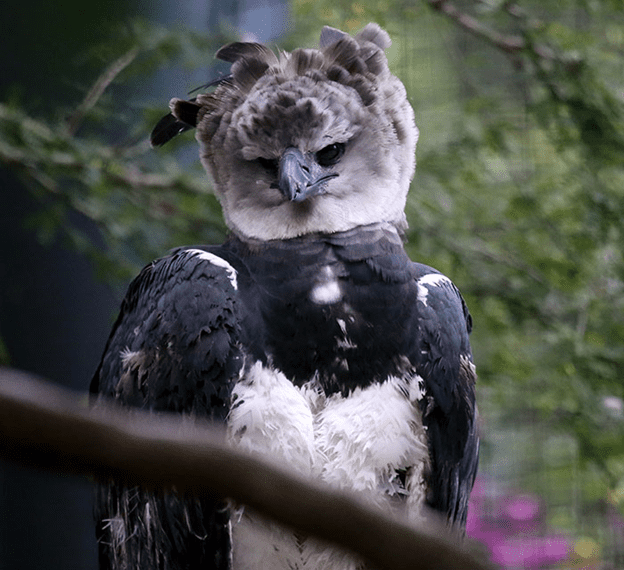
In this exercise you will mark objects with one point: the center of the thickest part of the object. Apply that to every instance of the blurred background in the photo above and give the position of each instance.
(518, 197)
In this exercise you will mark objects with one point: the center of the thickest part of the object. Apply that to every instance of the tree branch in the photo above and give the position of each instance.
(55, 149)
(98, 88)
(511, 45)
(51, 428)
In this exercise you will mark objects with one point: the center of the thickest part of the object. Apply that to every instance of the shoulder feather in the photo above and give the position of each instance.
(174, 345)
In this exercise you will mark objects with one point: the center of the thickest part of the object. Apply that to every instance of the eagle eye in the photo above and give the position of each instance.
(331, 154)
(271, 165)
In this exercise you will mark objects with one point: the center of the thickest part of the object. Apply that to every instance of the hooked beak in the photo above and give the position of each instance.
(300, 176)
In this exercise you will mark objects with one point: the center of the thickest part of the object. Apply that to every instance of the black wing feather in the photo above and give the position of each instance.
(174, 347)
(448, 408)
(168, 128)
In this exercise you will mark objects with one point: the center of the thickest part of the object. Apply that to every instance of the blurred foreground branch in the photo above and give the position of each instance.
(51, 428)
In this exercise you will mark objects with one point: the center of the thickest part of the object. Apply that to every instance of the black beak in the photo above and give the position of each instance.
(300, 176)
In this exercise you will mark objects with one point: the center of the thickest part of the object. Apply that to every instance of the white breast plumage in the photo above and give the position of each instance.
(356, 443)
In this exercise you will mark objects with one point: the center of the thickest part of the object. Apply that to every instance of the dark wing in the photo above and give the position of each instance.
(174, 347)
(448, 407)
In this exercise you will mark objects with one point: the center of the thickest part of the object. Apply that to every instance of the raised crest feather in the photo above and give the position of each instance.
(246, 71)
(374, 34)
(184, 114)
(302, 60)
(330, 36)
(244, 50)
(346, 53)
(166, 129)
(183, 117)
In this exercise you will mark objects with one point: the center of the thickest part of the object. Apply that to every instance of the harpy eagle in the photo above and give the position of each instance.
(309, 332)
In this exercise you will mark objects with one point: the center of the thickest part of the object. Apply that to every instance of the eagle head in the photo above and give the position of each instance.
(312, 141)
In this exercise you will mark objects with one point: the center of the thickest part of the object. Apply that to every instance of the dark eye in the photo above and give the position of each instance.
(271, 165)
(331, 154)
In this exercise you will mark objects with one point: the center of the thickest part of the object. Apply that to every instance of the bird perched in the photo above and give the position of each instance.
(309, 333)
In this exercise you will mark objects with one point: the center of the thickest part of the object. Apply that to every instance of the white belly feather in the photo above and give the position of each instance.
(355, 443)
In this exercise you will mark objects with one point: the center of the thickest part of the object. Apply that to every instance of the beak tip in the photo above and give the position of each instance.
(299, 177)
(294, 175)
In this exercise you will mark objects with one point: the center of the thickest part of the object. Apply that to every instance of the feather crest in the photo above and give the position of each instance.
(246, 50)
(247, 71)
(330, 36)
(185, 111)
(167, 128)
(345, 52)
(374, 34)
(375, 61)
(303, 60)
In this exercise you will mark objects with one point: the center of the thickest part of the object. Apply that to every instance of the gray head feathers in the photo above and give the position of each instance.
(339, 94)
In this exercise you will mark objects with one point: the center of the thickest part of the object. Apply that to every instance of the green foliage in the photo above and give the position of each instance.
(518, 195)
(140, 210)
(143, 201)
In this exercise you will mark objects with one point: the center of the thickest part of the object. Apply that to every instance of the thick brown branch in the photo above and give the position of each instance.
(51, 428)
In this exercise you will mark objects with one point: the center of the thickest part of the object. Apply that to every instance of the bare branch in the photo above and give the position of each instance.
(51, 428)
(511, 45)
(98, 88)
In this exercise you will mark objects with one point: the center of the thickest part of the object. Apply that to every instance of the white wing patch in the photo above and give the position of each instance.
(430, 280)
(219, 262)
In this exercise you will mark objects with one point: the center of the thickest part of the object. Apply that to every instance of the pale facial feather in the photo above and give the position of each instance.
(371, 186)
